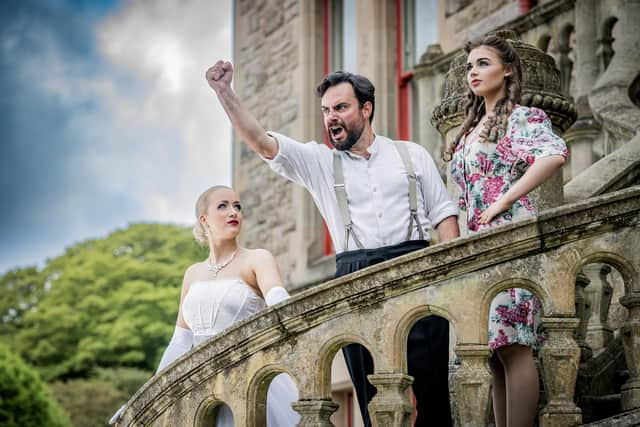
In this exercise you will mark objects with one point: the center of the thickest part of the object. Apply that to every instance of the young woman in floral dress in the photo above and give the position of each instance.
(503, 151)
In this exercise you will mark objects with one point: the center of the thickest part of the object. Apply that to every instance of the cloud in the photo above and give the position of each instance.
(108, 118)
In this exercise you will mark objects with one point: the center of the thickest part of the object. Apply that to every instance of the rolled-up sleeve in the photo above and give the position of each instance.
(295, 160)
(534, 137)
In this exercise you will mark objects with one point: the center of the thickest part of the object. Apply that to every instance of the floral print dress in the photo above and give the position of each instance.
(485, 171)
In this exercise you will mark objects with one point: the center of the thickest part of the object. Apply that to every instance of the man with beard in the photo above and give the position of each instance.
(360, 189)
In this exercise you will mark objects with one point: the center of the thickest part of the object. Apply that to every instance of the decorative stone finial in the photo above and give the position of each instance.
(540, 87)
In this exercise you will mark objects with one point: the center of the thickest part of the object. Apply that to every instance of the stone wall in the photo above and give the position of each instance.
(274, 54)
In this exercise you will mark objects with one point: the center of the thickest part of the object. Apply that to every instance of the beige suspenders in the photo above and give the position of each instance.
(341, 195)
(413, 200)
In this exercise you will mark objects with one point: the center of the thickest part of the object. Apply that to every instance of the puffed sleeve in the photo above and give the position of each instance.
(533, 137)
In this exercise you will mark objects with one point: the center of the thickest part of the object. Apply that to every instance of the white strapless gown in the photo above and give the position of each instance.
(212, 306)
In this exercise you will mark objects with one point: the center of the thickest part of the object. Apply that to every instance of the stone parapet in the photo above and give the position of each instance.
(377, 307)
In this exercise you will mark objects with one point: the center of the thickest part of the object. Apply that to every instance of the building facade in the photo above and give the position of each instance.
(282, 49)
(582, 259)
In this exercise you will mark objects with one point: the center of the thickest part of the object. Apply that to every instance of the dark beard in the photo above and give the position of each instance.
(352, 138)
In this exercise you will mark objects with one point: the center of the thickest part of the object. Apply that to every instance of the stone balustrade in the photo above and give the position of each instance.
(377, 307)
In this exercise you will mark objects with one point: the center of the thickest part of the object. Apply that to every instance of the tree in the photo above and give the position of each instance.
(26, 401)
(21, 289)
(89, 402)
(104, 303)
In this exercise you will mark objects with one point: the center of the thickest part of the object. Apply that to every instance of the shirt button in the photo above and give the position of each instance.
(380, 215)
(374, 189)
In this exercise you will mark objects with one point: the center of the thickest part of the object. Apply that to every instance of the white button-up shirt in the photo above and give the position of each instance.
(377, 189)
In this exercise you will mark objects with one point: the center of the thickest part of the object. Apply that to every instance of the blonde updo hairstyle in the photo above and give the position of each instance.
(202, 208)
(494, 127)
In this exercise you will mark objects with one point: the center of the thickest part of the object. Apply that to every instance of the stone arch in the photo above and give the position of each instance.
(605, 50)
(206, 412)
(494, 289)
(257, 393)
(326, 353)
(625, 268)
(403, 327)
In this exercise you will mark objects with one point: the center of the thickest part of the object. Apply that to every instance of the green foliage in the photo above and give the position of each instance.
(90, 402)
(21, 290)
(125, 379)
(26, 401)
(104, 303)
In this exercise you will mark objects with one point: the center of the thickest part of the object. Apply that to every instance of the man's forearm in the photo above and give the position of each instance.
(448, 228)
(247, 126)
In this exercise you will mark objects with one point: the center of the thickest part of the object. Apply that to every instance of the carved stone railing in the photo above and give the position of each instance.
(378, 306)
(609, 98)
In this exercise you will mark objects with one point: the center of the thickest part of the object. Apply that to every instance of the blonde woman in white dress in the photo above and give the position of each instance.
(230, 285)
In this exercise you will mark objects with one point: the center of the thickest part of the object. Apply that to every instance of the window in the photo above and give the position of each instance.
(417, 28)
(342, 33)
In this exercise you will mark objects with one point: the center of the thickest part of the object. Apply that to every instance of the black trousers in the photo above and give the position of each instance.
(427, 348)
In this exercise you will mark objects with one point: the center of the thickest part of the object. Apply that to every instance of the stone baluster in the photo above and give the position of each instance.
(390, 407)
(605, 298)
(472, 385)
(560, 356)
(631, 340)
(582, 311)
(599, 294)
(315, 413)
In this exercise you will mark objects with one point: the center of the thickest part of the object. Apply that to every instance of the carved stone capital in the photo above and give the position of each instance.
(390, 406)
(540, 88)
(315, 413)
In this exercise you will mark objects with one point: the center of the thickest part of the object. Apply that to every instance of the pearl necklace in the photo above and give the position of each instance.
(215, 268)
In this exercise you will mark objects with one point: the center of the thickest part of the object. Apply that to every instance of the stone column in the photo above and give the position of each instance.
(581, 136)
(599, 293)
(390, 407)
(315, 413)
(472, 385)
(583, 311)
(428, 76)
(631, 340)
(376, 52)
(560, 357)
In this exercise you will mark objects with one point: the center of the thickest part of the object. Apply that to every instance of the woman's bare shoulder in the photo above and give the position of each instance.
(193, 272)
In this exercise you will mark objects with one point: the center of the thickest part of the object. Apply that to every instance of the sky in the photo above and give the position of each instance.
(106, 118)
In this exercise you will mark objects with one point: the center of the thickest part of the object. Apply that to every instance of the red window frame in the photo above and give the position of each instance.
(403, 80)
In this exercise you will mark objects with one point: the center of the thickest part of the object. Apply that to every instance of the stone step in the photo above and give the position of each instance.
(600, 407)
(625, 419)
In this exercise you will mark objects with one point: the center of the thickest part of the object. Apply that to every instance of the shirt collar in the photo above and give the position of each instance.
(372, 149)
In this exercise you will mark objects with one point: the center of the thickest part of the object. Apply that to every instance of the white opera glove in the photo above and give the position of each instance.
(181, 342)
(116, 417)
(276, 295)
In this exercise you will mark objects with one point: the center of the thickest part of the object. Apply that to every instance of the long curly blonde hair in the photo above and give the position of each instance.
(496, 125)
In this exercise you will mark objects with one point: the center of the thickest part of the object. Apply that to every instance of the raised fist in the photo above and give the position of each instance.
(219, 75)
